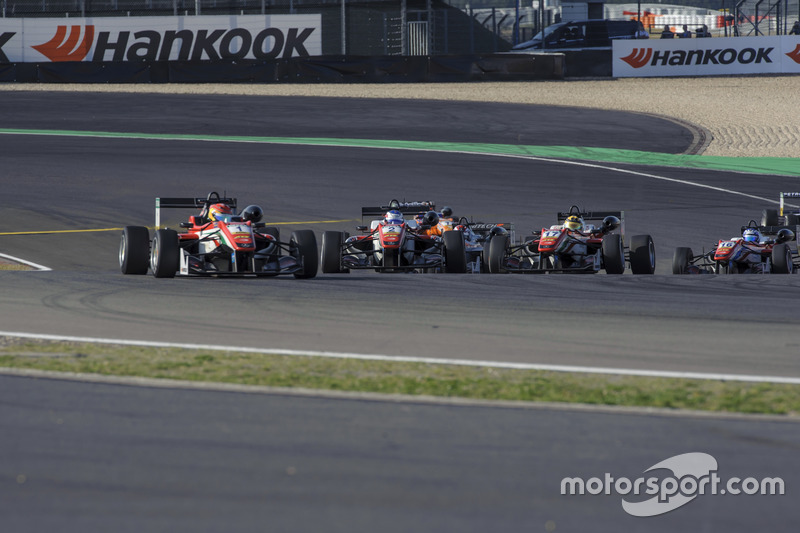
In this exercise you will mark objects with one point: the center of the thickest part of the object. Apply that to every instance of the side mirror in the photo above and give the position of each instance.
(784, 235)
(187, 225)
(362, 228)
(260, 225)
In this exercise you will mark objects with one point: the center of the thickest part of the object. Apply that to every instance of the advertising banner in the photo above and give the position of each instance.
(706, 57)
(203, 38)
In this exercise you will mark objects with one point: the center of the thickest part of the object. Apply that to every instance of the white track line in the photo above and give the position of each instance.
(409, 359)
(40, 268)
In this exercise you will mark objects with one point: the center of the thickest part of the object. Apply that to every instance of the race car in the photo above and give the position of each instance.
(753, 252)
(395, 243)
(573, 246)
(218, 242)
(477, 240)
(782, 216)
(477, 235)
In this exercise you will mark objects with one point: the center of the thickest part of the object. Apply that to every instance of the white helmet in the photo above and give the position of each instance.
(393, 217)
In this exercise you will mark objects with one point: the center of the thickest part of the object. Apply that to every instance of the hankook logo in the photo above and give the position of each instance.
(152, 45)
(70, 49)
(794, 55)
(640, 57)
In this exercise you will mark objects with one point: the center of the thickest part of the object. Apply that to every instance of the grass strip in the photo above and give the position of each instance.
(400, 377)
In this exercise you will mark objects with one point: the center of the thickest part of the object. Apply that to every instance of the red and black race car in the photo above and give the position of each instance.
(217, 242)
(574, 246)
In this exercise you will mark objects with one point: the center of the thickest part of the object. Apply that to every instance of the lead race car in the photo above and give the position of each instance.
(759, 250)
(394, 243)
(218, 242)
(573, 246)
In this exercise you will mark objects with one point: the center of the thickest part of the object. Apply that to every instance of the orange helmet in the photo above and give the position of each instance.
(216, 211)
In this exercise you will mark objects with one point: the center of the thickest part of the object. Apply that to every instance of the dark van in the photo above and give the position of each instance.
(584, 34)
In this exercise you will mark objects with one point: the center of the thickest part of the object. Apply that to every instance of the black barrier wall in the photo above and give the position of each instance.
(323, 69)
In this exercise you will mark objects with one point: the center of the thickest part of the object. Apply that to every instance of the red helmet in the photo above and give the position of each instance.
(216, 211)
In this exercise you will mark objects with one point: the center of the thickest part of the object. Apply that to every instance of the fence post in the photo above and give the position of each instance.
(403, 28)
(344, 37)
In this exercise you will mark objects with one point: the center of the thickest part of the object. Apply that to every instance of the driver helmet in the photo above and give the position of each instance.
(430, 218)
(573, 223)
(751, 235)
(447, 212)
(393, 217)
(218, 211)
(252, 213)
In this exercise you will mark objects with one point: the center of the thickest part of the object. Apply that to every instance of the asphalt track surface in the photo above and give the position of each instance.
(447, 468)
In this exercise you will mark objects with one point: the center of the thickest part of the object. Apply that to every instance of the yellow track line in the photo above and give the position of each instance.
(120, 229)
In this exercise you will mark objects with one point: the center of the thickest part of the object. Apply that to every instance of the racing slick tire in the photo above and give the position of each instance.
(331, 253)
(165, 255)
(455, 253)
(498, 245)
(782, 259)
(792, 221)
(134, 250)
(681, 260)
(613, 254)
(303, 247)
(643, 254)
(769, 217)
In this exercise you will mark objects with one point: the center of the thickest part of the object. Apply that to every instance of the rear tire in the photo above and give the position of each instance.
(455, 254)
(134, 250)
(613, 254)
(304, 248)
(643, 254)
(165, 254)
(782, 259)
(792, 221)
(769, 217)
(331, 253)
(681, 260)
(498, 247)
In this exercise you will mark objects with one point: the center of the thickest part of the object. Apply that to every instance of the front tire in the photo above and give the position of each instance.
(165, 255)
(643, 254)
(134, 250)
(782, 259)
(331, 253)
(681, 260)
(613, 254)
(792, 221)
(304, 248)
(455, 254)
(498, 246)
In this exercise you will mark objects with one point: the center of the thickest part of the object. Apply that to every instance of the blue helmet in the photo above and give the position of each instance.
(751, 235)
(393, 217)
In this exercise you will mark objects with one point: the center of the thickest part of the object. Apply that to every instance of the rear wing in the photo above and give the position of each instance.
(787, 195)
(595, 216)
(190, 203)
(483, 228)
(407, 208)
(765, 230)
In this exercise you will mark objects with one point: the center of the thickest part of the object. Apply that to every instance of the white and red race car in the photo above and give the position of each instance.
(394, 243)
(758, 250)
(218, 242)
(582, 248)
